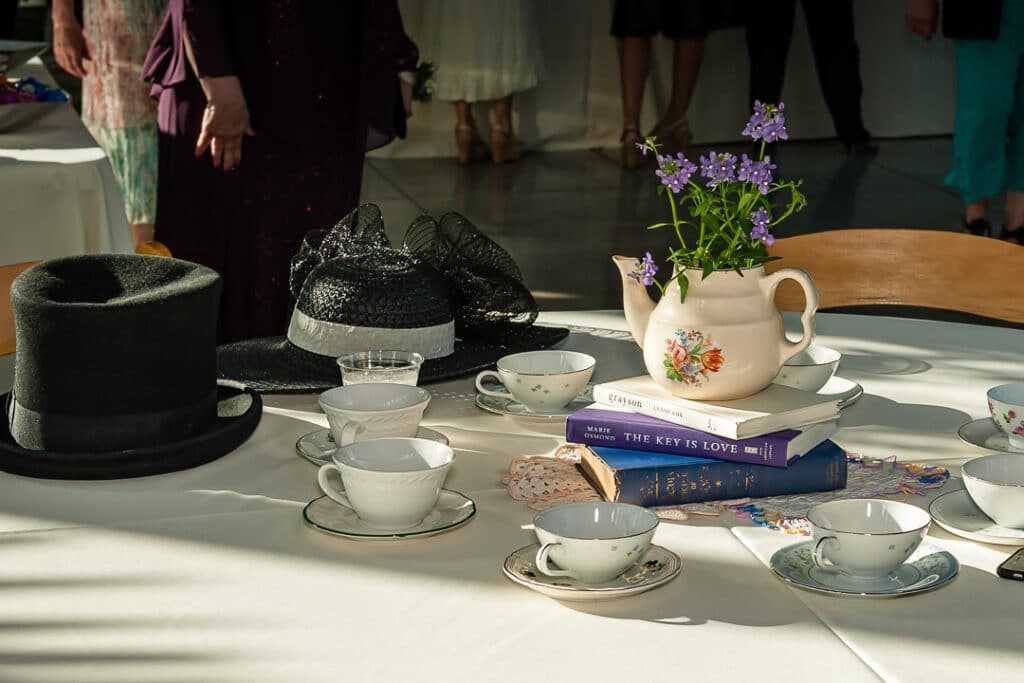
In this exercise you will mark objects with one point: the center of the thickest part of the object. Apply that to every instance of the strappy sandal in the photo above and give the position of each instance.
(674, 137)
(632, 156)
(469, 145)
(504, 145)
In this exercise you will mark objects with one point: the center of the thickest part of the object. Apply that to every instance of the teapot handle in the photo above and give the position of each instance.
(770, 283)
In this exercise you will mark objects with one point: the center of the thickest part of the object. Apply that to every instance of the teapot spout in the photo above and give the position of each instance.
(636, 303)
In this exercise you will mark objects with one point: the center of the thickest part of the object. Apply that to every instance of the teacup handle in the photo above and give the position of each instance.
(819, 554)
(348, 433)
(490, 392)
(323, 478)
(545, 568)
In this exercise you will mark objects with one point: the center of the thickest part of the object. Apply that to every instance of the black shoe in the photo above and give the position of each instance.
(1016, 235)
(863, 147)
(979, 226)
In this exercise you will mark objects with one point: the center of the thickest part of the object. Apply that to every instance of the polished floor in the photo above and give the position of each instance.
(562, 214)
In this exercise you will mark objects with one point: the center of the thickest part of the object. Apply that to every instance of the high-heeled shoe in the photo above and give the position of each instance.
(675, 137)
(469, 146)
(632, 156)
(1015, 235)
(504, 145)
(979, 226)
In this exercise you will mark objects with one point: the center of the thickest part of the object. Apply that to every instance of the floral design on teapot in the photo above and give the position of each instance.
(691, 357)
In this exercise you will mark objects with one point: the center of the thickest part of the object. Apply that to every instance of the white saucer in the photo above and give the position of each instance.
(509, 406)
(843, 390)
(986, 434)
(658, 567)
(452, 510)
(956, 513)
(319, 446)
(927, 569)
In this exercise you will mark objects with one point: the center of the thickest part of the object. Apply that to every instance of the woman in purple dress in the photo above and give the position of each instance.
(266, 109)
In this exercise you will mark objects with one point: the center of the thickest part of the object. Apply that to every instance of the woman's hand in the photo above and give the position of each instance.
(225, 122)
(922, 17)
(71, 48)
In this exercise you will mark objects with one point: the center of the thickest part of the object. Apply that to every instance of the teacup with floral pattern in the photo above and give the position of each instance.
(1006, 405)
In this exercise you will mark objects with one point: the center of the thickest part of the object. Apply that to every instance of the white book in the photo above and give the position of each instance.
(771, 409)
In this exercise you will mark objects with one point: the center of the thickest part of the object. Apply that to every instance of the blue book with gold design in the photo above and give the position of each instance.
(649, 479)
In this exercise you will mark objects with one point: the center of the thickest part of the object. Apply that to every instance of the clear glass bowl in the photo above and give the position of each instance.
(393, 367)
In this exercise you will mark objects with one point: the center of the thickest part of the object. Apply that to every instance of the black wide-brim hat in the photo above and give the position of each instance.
(238, 413)
(115, 371)
(450, 293)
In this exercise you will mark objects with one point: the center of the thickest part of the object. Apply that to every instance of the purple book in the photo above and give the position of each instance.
(595, 426)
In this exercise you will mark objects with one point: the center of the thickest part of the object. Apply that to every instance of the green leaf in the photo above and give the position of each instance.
(684, 285)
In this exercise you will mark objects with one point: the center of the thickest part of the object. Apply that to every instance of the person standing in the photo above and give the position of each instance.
(484, 51)
(266, 110)
(687, 24)
(107, 54)
(836, 58)
(988, 134)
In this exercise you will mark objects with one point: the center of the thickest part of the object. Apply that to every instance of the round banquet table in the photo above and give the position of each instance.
(60, 196)
(210, 574)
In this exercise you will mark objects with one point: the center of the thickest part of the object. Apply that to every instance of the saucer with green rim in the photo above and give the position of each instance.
(453, 509)
(656, 568)
(318, 447)
(927, 569)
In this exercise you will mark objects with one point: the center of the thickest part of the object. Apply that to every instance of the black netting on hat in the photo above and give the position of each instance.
(360, 232)
(380, 288)
(490, 297)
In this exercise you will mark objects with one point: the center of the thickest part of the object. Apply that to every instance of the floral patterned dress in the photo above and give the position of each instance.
(116, 106)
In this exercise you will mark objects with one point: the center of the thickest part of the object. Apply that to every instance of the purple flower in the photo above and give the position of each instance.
(675, 172)
(642, 146)
(761, 218)
(760, 173)
(718, 168)
(645, 269)
(768, 123)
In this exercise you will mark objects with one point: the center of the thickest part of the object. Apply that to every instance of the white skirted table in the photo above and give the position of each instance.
(211, 575)
(60, 196)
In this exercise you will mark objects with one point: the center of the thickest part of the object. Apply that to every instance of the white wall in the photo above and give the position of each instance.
(908, 83)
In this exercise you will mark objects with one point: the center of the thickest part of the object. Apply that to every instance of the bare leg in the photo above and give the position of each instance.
(1014, 209)
(689, 53)
(142, 232)
(468, 143)
(504, 146)
(976, 210)
(634, 63)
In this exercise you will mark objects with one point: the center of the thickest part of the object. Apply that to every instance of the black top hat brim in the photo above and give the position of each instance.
(238, 413)
(276, 366)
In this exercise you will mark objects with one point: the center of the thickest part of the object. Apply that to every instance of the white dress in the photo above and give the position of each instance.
(482, 49)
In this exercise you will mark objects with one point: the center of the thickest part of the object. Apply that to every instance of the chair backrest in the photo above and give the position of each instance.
(927, 268)
(7, 275)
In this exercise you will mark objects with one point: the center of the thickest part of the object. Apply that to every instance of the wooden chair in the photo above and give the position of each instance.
(7, 275)
(927, 268)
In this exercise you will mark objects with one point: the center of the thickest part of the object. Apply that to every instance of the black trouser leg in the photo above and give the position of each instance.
(769, 30)
(837, 60)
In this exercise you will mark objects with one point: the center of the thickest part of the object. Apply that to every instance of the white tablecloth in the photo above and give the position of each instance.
(60, 196)
(211, 575)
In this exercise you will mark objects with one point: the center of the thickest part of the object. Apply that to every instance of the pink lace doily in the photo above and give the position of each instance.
(543, 482)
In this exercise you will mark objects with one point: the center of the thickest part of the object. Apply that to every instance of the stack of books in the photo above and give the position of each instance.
(647, 447)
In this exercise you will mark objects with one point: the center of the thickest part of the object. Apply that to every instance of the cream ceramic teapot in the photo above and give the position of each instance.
(726, 340)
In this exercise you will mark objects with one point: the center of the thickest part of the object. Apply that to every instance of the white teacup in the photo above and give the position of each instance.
(359, 412)
(541, 380)
(593, 542)
(1006, 405)
(390, 483)
(996, 485)
(864, 537)
(811, 369)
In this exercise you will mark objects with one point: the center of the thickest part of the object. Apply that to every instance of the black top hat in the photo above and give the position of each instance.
(450, 294)
(115, 371)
